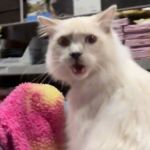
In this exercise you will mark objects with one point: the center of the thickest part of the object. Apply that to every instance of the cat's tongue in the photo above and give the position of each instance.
(78, 69)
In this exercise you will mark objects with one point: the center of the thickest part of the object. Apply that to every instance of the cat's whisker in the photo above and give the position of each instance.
(38, 78)
(45, 78)
(50, 80)
(42, 30)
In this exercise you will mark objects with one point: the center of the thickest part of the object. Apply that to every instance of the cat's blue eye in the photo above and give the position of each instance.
(64, 41)
(90, 39)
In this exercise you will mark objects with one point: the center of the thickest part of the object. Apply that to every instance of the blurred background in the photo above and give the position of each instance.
(22, 51)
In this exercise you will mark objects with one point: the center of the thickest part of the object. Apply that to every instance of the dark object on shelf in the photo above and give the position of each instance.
(20, 32)
(16, 38)
(12, 53)
(10, 11)
(132, 3)
(106, 3)
(38, 49)
(12, 48)
(63, 7)
(124, 3)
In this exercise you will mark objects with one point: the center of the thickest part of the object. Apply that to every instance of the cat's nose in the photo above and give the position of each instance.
(75, 55)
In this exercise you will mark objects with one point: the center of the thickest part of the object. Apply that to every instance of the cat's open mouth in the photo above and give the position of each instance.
(78, 69)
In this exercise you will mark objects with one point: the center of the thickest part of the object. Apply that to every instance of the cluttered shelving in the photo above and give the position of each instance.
(132, 26)
(41, 69)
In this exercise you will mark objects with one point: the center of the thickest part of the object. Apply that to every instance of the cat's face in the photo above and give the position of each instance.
(78, 46)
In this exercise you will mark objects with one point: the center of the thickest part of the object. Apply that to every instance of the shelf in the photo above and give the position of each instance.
(134, 7)
(23, 70)
(17, 24)
(41, 68)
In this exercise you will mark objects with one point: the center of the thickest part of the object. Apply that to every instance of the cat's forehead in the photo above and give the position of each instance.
(80, 25)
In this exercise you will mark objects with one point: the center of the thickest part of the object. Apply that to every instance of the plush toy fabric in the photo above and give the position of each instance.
(32, 118)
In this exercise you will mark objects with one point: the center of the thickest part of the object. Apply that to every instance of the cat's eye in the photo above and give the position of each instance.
(91, 39)
(64, 41)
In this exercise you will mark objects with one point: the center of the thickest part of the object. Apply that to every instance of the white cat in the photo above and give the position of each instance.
(109, 100)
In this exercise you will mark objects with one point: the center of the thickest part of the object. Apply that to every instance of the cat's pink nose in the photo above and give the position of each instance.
(75, 55)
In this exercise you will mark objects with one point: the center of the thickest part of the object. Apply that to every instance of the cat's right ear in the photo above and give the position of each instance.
(47, 26)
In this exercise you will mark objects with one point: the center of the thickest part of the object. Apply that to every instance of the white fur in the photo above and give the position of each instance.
(109, 107)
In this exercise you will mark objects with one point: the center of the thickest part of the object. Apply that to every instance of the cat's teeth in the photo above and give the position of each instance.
(78, 69)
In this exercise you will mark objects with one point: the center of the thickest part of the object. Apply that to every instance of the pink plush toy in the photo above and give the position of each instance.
(32, 118)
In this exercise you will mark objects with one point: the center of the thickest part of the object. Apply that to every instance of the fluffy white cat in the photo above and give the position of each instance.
(109, 100)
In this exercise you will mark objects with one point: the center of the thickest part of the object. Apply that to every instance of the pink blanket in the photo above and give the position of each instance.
(32, 118)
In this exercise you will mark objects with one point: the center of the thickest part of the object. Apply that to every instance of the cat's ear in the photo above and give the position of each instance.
(47, 26)
(106, 18)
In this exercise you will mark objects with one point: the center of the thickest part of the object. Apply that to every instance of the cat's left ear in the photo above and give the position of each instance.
(47, 25)
(106, 18)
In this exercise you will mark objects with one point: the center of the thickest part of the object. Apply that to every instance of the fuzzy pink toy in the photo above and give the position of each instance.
(32, 118)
